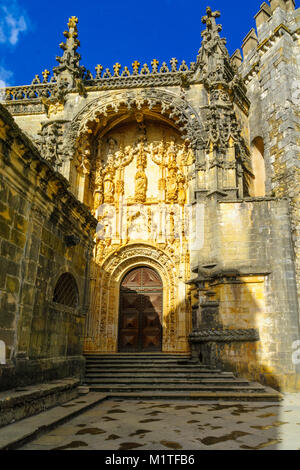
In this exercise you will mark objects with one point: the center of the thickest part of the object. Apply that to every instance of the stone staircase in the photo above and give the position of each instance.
(138, 375)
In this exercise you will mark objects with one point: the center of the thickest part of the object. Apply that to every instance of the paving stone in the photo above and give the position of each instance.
(171, 425)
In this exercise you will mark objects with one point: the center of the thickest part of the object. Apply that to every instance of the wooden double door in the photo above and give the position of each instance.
(140, 317)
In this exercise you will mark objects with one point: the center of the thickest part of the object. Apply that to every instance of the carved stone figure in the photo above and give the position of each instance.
(109, 187)
(141, 184)
(181, 189)
(171, 186)
(171, 154)
(98, 194)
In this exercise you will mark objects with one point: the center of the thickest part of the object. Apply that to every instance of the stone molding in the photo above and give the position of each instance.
(224, 335)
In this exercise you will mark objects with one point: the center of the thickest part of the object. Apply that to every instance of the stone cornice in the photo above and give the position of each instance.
(217, 275)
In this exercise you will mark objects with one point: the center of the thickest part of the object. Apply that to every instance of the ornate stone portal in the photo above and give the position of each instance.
(141, 177)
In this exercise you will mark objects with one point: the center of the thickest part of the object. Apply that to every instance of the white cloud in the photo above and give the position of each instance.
(5, 77)
(12, 22)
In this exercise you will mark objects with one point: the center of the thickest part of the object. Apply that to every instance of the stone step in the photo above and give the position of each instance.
(159, 375)
(134, 371)
(155, 370)
(143, 365)
(168, 376)
(159, 381)
(267, 396)
(133, 355)
(146, 361)
(163, 379)
(182, 388)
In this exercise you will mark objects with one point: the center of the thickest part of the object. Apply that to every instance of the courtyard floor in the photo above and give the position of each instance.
(179, 425)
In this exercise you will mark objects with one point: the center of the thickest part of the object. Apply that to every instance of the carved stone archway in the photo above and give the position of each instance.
(102, 324)
(165, 103)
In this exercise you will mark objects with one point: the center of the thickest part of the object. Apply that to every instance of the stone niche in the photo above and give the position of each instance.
(46, 239)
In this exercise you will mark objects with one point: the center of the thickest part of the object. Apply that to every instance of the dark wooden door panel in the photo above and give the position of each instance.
(140, 311)
(150, 278)
(129, 341)
(151, 340)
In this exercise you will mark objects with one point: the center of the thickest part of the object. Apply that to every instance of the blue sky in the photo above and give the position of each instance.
(111, 31)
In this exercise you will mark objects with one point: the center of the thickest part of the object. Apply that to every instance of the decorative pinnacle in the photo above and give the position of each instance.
(70, 58)
(210, 20)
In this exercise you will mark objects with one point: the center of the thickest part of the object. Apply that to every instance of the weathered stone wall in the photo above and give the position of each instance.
(271, 69)
(248, 283)
(43, 338)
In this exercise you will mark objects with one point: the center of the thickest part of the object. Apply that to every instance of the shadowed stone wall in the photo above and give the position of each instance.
(247, 319)
(44, 232)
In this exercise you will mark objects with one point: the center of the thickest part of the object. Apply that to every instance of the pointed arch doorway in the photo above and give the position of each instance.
(140, 311)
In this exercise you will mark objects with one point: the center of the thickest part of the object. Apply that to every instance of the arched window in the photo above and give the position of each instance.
(66, 291)
(258, 165)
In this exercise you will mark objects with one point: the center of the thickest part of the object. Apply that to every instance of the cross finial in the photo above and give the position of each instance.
(99, 69)
(210, 20)
(45, 74)
(174, 63)
(116, 68)
(154, 64)
(73, 22)
(136, 66)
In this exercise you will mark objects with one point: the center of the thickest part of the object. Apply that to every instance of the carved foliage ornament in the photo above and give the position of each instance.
(50, 142)
(187, 120)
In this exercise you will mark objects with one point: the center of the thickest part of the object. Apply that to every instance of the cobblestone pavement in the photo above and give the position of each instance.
(186, 425)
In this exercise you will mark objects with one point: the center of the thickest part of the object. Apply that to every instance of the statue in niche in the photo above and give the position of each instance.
(111, 150)
(181, 188)
(123, 156)
(171, 154)
(98, 193)
(141, 184)
(171, 186)
(108, 185)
